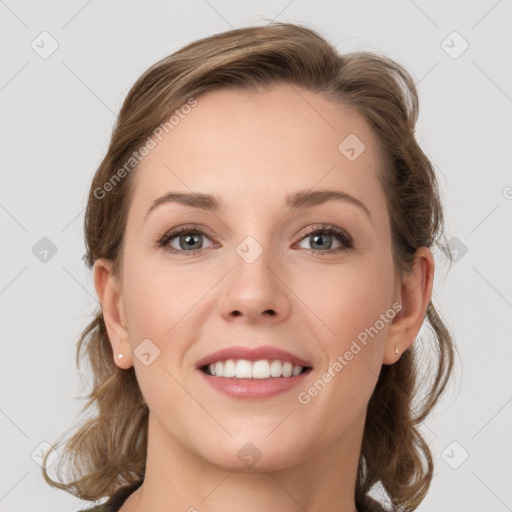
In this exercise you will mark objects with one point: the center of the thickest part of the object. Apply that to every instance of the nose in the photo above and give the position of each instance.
(255, 291)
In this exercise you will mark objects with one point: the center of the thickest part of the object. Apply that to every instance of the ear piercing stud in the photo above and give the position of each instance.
(120, 356)
(396, 350)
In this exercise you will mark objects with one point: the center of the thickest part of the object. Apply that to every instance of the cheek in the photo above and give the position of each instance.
(146, 309)
(347, 299)
(157, 297)
(167, 305)
(158, 304)
(352, 333)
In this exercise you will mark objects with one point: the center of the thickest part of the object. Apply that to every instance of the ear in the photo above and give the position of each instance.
(111, 299)
(415, 292)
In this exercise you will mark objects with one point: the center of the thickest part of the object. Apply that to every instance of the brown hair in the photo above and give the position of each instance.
(109, 449)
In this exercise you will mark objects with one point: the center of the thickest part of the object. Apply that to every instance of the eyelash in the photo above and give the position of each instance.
(328, 229)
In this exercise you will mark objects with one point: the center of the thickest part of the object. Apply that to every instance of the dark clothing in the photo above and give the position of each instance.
(116, 500)
(121, 495)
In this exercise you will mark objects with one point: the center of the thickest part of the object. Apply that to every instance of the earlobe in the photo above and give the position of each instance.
(111, 300)
(415, 294)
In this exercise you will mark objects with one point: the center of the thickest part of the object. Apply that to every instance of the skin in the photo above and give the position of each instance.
(251, 150)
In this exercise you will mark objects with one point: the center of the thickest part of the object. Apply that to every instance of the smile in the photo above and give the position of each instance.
(262, 369)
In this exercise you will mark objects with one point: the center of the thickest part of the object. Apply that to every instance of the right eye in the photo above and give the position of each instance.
(188, 240)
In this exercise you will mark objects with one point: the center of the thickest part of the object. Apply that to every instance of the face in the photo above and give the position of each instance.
(311, 278)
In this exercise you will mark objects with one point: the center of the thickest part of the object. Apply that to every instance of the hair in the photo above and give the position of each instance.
(109, 449)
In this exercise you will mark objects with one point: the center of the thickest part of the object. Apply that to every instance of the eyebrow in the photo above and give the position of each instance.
(296, 201)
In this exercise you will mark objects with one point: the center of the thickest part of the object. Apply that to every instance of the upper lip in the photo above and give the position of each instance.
(252, 354)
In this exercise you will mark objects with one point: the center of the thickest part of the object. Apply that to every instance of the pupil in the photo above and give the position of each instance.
(189, 240)
(315, 237)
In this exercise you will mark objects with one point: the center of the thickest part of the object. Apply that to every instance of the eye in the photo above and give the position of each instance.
(188, 240)
(322, 238)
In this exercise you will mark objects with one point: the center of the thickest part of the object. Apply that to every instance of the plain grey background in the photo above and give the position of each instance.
(57, 114)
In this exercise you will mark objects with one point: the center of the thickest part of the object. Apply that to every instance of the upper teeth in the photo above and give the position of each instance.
(263, 369)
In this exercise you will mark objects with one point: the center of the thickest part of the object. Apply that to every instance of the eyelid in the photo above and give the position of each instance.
(345, 238)
(331, 228)
(183, 228)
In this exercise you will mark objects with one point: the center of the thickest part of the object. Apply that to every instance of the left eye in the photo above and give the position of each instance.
(319, 240)
(323, 237)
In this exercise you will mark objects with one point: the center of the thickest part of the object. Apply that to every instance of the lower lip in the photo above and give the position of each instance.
(253, 389)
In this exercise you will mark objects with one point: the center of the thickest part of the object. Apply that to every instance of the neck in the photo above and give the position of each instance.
(178, 480)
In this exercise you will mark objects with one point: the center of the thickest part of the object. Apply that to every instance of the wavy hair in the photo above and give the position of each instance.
(108, 450)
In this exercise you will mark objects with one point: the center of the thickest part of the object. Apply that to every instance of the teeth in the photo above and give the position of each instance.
(243, 369)
(229, 369)
(296, 370)
(276, 369)
(287, 369)
(262, 369)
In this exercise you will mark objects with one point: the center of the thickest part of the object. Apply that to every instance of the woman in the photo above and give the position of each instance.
(260, 232)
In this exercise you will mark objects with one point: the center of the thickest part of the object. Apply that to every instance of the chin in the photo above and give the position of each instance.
(256, 455)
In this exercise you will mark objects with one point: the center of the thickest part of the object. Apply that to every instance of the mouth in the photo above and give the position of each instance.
(260, 369)
(253, 373)
(262, 362)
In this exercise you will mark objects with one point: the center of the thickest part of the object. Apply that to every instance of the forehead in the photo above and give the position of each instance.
(265, 145)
